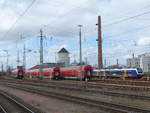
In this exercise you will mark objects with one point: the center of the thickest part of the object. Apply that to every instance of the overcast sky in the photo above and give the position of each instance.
(59, 19)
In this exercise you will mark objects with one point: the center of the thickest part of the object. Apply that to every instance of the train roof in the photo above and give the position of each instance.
(75, 66)
(115, 69)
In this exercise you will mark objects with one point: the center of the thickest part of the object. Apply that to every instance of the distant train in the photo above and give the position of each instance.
(117, 73)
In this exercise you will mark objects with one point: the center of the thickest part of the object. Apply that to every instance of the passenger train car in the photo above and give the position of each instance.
(53, 73)
(109, 73)
(73, 72)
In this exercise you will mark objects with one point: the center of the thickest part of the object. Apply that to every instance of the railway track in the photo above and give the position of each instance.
(123, 82)
(99, 82)
(91, 85)
(94, 91)
(108, 106)
(9, 104)
(2, 110)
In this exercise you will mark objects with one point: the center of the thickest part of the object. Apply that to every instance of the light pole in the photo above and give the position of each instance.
(80, 53)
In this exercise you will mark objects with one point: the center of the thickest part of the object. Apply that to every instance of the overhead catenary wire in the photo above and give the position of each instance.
(20, 16)
(128, 32)
(126, 19)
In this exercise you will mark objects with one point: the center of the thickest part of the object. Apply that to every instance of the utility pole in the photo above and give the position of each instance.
(100, 54)
(18, 58)
(2, 67)
(24, 57)
(41, 53)
(80, 53)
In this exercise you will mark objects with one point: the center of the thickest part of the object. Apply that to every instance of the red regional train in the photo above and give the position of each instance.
(73, 72)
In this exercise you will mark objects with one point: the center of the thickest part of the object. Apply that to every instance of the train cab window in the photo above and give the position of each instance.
(139, 70)
(88, 72)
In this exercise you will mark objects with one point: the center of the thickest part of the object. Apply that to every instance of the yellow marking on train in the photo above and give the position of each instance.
(104, 76)
(125, 75)
(97, 74)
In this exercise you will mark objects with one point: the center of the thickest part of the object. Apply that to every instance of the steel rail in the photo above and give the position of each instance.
(109, 93)
(16, 102)
(2, 109)
(90, 84)
(108, 105)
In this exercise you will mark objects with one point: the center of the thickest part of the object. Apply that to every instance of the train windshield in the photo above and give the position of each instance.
(88, 73)
(139, 70)
(56, 73)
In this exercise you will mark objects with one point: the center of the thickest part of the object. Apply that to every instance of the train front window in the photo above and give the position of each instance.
(88, 73)
(56, 73)
(139, 70)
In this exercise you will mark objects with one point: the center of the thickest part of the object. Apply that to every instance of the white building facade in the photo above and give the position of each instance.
(63, 57)
(142, 61)
(145, 62)
(133, 62)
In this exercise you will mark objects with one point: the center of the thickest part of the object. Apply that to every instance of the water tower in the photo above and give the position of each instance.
(63, 56)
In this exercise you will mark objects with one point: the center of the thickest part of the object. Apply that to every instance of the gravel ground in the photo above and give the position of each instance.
(51, 105)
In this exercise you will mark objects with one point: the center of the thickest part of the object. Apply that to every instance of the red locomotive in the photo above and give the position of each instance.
(73, 72)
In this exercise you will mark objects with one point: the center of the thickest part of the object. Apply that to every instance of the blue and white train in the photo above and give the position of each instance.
(118, 73)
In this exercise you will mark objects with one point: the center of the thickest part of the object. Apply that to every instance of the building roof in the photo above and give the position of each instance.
(63, 50)
(48, 65)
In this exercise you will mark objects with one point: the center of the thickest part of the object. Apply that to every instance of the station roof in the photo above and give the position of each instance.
(63, 50)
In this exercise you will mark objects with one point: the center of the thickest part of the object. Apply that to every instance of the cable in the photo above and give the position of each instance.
(127, 32)
(20, 16)
(126, 19)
